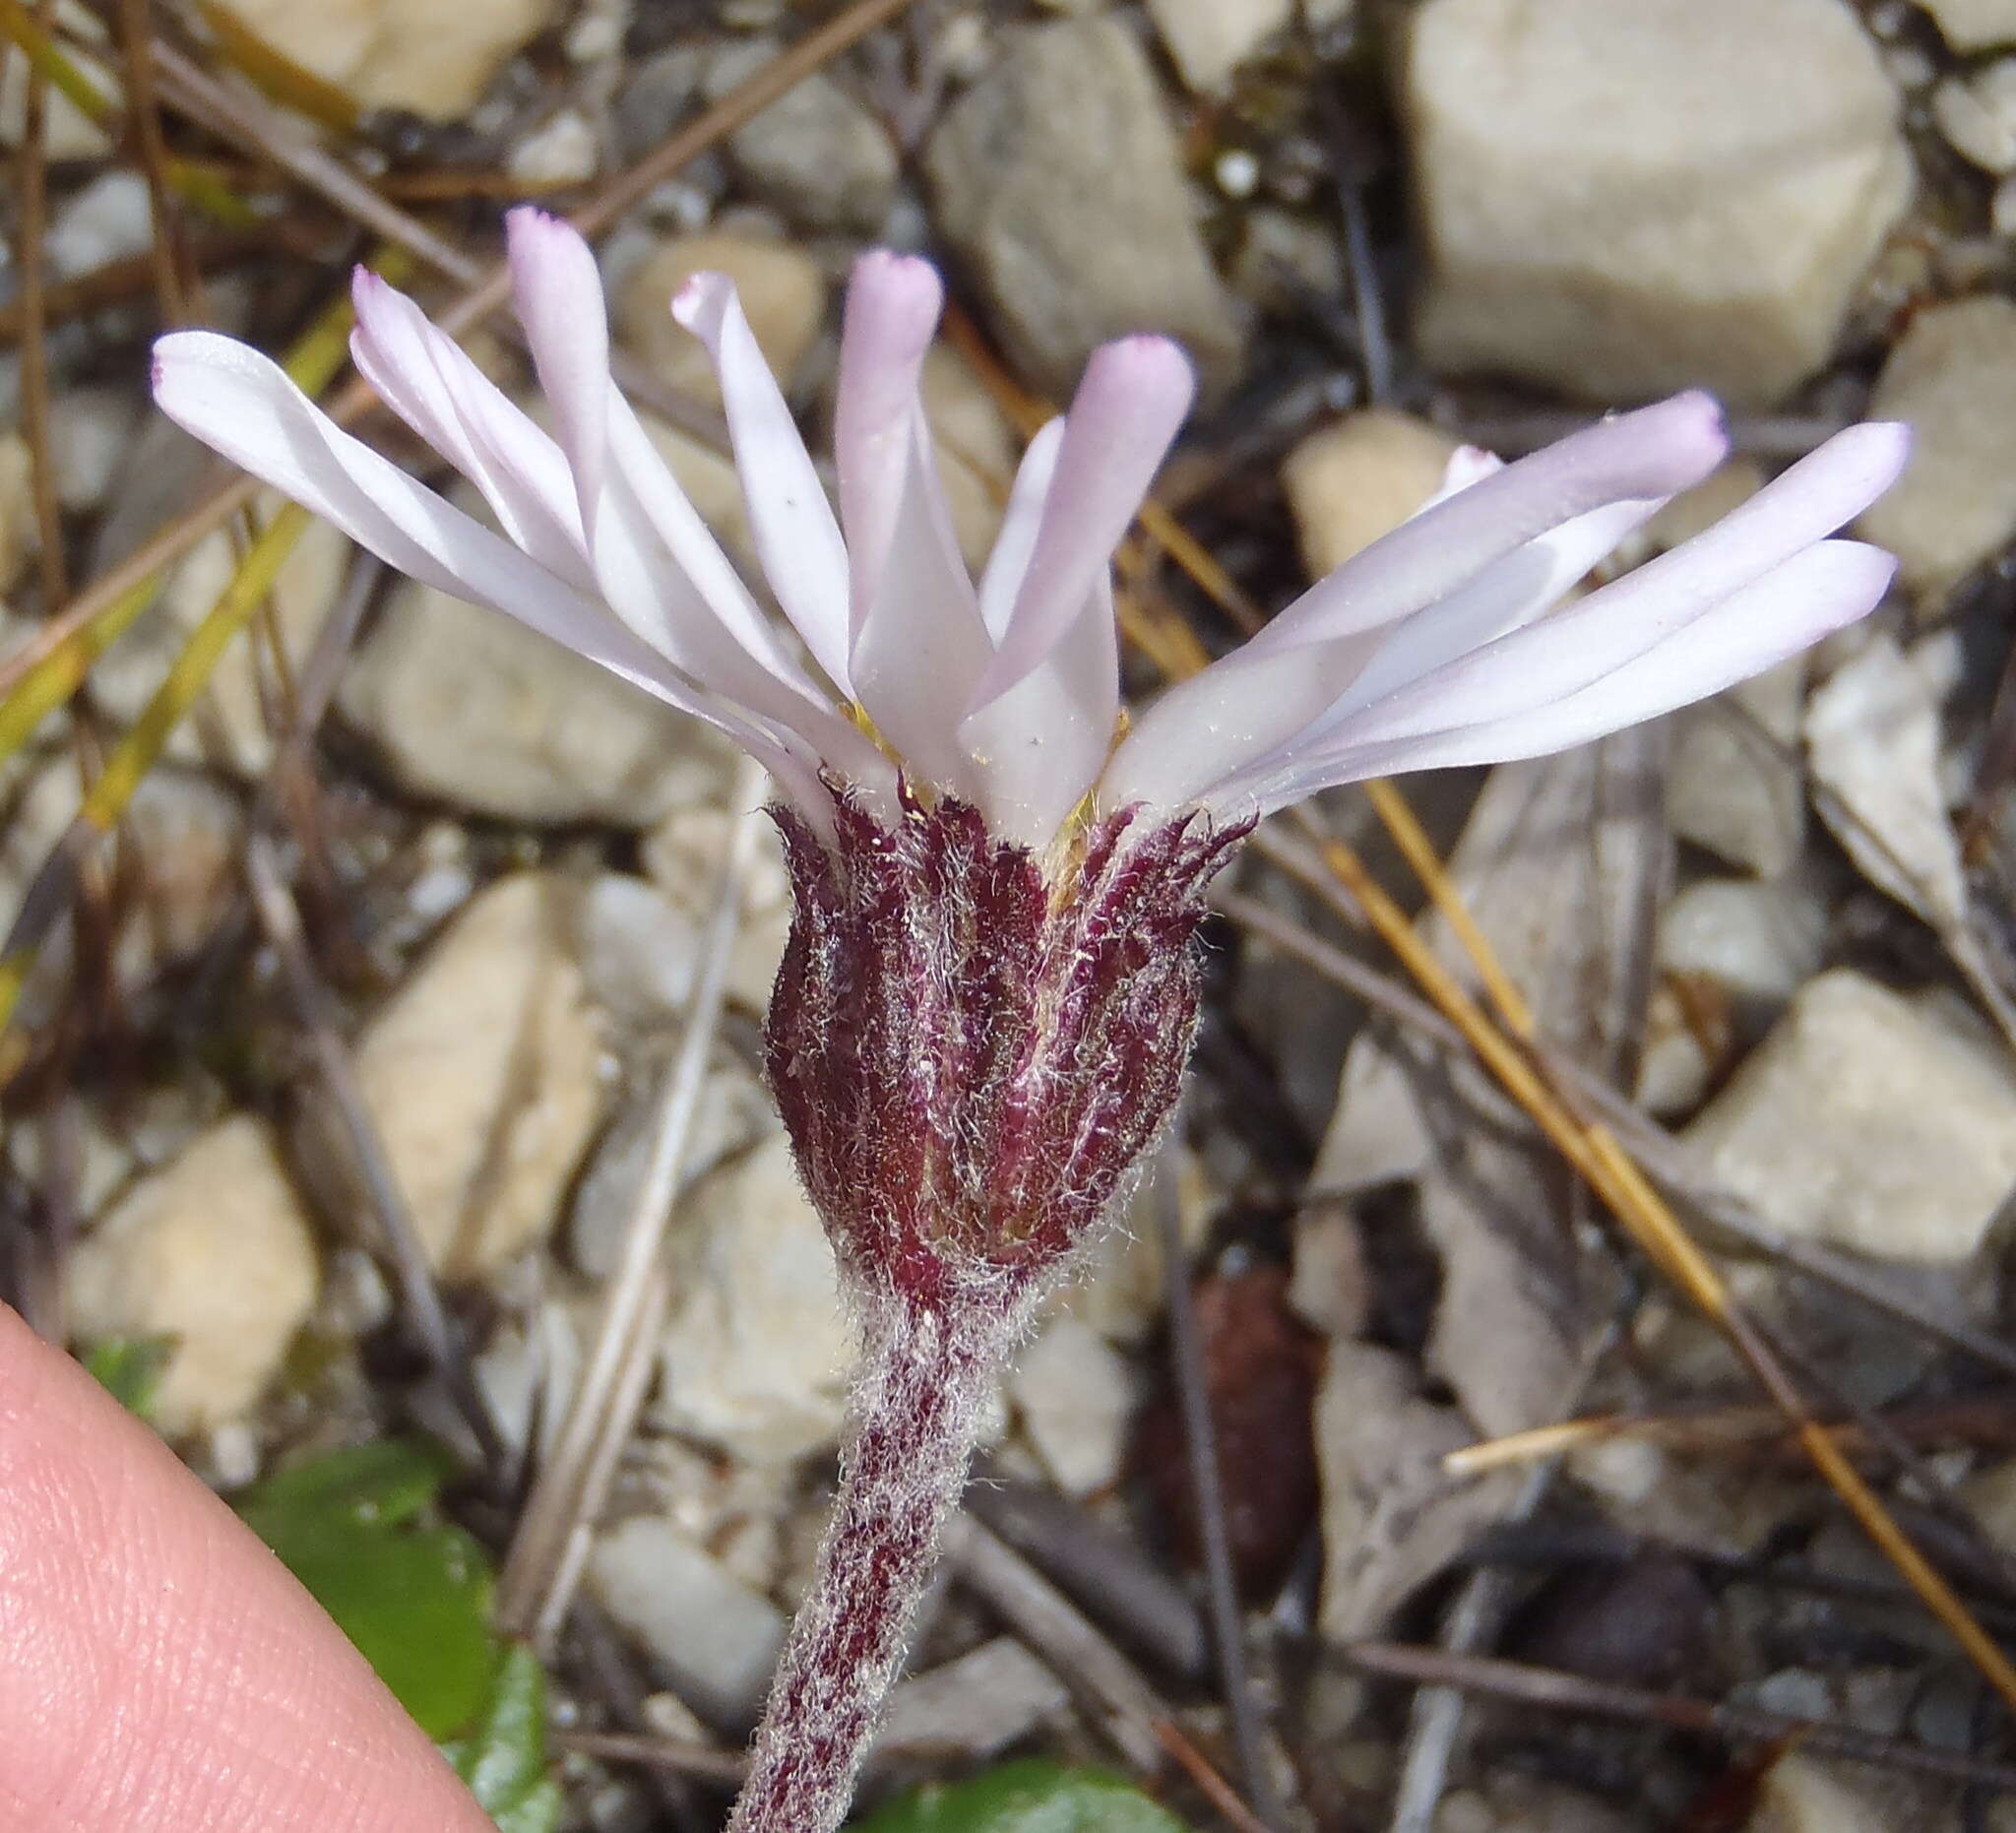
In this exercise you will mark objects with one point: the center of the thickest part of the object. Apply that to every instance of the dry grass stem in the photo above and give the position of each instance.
(567, 1493)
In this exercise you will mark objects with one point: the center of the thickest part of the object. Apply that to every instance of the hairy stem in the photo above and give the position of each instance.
(914, 1419)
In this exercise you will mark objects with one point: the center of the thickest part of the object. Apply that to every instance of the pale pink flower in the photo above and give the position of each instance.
(983, 1012)
(1445, 643)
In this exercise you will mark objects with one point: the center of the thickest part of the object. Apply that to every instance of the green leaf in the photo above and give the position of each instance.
(1031, 1797)
(382, 1483)
(504, 1761)
(414, 1596)
(130, 1368)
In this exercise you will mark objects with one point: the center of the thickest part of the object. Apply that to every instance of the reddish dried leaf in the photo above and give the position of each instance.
(1261, 1364)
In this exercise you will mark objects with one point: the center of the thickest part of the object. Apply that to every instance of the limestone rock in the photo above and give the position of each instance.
(815, 152)
(1074, 1396)
(683, 855)
(468, 706)
(1953, 376)
(1551, 864)
(1622, 197)
(635, 948)
(1209, 39)
(483, 1076)
(979, 1703)
(756, 1351)
(1808, 1795)
(714, 1640)
(1757, 941)
(1973, 24)
(96, 1158)
(186, 836)
(214, 1250)
(561, 151)
(712, 484)
(1866, 1121)
(90, 430)
(1977, 115)
(108, 219)
(1733, 786)
(781, 287)
(1873, 737)
(1068, 263)
(734, 1112)
(658, 92)
(1284, 258)
(528, 1373)
(1990, 1497)
(1331, 1288)
(432, 57)
(1724, 490)
(1673, 1066)
(1357, 478)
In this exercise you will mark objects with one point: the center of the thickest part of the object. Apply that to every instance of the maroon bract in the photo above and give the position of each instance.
(969, 1057)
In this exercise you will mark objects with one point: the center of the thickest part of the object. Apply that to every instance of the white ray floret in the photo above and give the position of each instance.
(1446, 642)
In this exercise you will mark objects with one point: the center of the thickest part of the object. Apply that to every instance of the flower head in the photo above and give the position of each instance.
(988, 995)
(1442, 644)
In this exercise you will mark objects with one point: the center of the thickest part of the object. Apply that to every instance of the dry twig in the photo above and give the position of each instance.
(1133, 1717)
(1200, 1444)
(548, 1543)
(1552, 1690)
